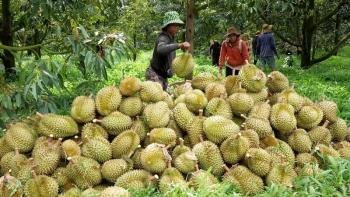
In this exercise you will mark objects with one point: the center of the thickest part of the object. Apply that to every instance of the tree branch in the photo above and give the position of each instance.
(330, 14)
(330, 53)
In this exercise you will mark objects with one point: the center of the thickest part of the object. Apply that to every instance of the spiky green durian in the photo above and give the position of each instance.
(61, 177)
(251, 135)
(140, 127)
(233, 149)
(195, 128)
(157, 115)
(170, 179)
(151, 92)
(300, 141)
(201, 179)
(114, 191)
(154, 158)
(232, 83)
(70, 148)
(329, 109)
(125, 143)
(136, 179)
(10, 186)
(338, 130)
(114, 168)
(262, 109)
(281, 174)
(182, 115)
(258, 161)
(46, 156)
(291, 97)
(201, 80)
(218, 128)
(5, 148)
(108, 100)
(97, 148)
(83, 109)
(183, 65)
(131, 106)
(12, 161)
(321, 134)
(240, 103)
(259, 96)
(260, 125)
(218, 106)
(282, 118)
(252, 78)
(309, 116)
(93, 129)
(129, 86)
(277, 82)
(195, 100)
(57, 125)
(20, 136)
(41, 186)
(163, 136)
(186, 162)
(215, 89)
(115, 123)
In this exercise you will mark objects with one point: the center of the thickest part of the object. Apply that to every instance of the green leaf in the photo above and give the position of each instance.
(18, 99)
(34, 91)
(11, 114)
(58, 31)
(83, 31)
(2, 67)
(30, 78)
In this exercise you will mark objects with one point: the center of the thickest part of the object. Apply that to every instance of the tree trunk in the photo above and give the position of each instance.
(190, 26)
(7, 38)
(307, 32)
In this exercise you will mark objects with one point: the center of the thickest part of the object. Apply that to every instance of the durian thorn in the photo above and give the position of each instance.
(181, 141)
(325, 124)
(244, 116)
(96, 120)
(34, 174)
(200, 138)
(200, 113)
(39, 114)
(226, 168)
(90, 96)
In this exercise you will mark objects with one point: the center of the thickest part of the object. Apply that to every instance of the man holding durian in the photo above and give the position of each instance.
(164, 52)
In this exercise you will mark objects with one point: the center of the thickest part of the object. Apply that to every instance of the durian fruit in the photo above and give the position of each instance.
(90, 192)
(97, 148)
(242, 178)
(201, 179)
(20, 136)
(302, 159)
(179, 133)
(329, 109)
(171, 178)
(180, 90)
(343, 149)
(58, 125)
(218, 106)
(282, 118)
(277, 82)
(140, 127)
(131, 106)
(124, 143)
(215, 89)
(182, 115)
(135, 158)
(218, 128)
(46, 157)
(183, 65)
(70, 148)
(84, 171)
(5, 148)
(253, 79)
(108, 100)
(323, 152)
(195, 100)
(186, 162)
(281, 174)
(181, 148)
(234, 148)
(24, 174)
(240, 102)
(41, 186)
(163, 136)
(201, 80)
(321, 134)
(251, 135)
(137, 179)
(260, 125)
(129, 86)
(156, 115)
(169, 99)
(308, 170)
(195, 128)
(259, 96)
(309, 116)
(115, 123)
(10, 186)
(114, 191)
(209, 156)
(300, 141)
(283, 148)
(258, 161)
(151, 92)
(114, 168)
(291, 97)
(83, 109)
(262, 108)
(12, 161)
(232, 83)
(61, 177)
(338, 130)
(72, 192)
(93, 129)
(154, 158)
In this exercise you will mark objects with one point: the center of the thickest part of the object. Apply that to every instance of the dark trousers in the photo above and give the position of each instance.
(215, 59)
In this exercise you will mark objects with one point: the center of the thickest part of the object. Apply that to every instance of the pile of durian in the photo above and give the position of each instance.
(249, 130)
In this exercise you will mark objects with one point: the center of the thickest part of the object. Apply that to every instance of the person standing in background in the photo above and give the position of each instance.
(234, 52)
(254, 43)
(266, 48)
(164, 52)
(214, 50)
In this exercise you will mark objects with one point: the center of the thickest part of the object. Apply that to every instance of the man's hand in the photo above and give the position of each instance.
(220, 72)
(185, 45)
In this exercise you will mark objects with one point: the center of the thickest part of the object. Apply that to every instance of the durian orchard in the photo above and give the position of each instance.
(249, 130)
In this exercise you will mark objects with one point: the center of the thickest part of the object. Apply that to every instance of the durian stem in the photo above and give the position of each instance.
(32, 119)
(200, 113)
(237, 135)
(151, 178)
(169, 164)
(245, 127)
(293, 86)
(239, 85)
(50, 138)
(196, 167)
(39, 114)
(131, 153)
(90, 96)
(58, 142)
(325, 124)
(200, 138)
(34, 174)
(226, 168)
(87, 138)
(312, 152)
(181, 141)
(323, 98)
(17, 151)
(96, 120)
(243, 116)
(72, 160)
(137, 118)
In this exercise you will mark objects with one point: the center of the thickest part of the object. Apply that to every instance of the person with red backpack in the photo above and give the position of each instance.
(234, 53)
